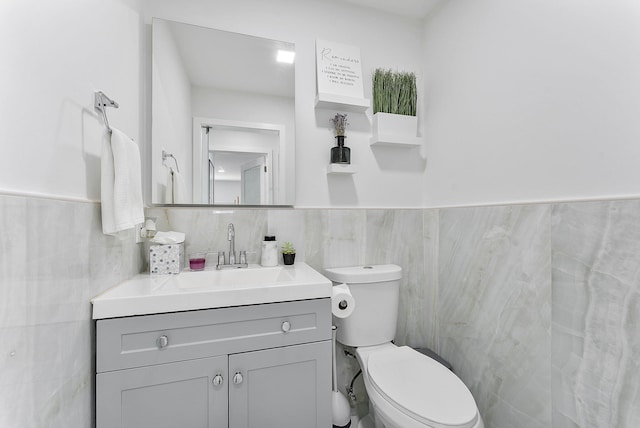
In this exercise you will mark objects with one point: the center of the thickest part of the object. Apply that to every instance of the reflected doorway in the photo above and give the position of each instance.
(239, 178)
(239, 164)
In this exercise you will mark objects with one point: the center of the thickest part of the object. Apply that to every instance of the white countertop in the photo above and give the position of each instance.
(191, 290)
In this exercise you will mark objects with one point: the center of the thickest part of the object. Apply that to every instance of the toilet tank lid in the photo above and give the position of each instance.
(364, 274)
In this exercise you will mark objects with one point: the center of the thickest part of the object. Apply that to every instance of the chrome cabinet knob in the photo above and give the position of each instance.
(163, 342)
(217, 380)
(286, 326)
(237, 378)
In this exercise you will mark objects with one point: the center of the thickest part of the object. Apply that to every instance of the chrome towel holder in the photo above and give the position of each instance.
(166, 155)
(101, 102)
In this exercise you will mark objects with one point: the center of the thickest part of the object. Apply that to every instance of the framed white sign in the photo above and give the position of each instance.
(338, 69)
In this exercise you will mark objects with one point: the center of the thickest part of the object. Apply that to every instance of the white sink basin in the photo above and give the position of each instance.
(237, 278)
(190, 290)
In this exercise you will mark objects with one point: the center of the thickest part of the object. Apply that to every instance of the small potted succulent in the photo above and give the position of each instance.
(288, 253)
(340, 153)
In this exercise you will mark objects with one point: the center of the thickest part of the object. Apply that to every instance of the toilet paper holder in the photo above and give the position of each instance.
(342, 302)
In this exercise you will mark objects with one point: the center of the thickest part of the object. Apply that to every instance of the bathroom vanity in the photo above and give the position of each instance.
(259, 359)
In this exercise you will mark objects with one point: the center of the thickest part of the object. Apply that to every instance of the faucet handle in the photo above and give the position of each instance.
(221, 260)
(232, 258)
(243, 257)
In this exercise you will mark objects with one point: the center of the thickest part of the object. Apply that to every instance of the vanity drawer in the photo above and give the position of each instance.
(155, 339)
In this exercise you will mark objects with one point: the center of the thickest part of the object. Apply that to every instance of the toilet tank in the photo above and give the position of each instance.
(375, 292)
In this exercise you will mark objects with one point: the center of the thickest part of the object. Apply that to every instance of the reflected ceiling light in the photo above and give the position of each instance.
(221, 169)
(285, 56)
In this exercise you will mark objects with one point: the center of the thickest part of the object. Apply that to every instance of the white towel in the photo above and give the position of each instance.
(176, 190)
(121, 184)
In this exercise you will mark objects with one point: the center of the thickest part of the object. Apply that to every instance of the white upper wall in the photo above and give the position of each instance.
(525, 101)
(55, 54)
(60, 55)
(532, 101)
(386, 178)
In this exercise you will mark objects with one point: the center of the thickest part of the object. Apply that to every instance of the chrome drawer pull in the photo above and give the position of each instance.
(286, 326)
(237, 378)
(163, 342)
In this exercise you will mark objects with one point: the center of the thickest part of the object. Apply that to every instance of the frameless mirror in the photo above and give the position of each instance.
(222, 117)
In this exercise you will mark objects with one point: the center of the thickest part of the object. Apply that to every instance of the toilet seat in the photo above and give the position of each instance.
(421, 388)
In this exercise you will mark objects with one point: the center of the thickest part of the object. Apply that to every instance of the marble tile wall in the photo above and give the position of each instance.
(495, 309)
(53, 260)
(539, 311)
(596, 314)
(536, 306)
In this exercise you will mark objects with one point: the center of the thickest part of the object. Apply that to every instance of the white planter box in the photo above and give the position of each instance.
(395, 130)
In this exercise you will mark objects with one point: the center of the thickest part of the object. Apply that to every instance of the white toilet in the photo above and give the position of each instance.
(406, 388)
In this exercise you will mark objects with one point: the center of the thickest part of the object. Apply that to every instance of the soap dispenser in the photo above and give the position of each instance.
(269, 251)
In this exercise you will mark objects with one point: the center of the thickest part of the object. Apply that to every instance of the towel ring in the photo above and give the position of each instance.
(100, 103)
(166, 155)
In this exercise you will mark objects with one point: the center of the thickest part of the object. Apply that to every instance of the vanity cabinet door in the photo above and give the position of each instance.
(183, 394)
(288, 387)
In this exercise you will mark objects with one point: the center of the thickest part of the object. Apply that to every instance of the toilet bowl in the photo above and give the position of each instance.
(406, 388)
(410, 390)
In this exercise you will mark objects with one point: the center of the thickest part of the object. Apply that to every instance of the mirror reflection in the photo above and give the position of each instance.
(222, 117)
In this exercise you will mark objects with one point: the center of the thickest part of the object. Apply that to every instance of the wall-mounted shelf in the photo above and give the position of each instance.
(394, 140)
(342, 103)
(338, 168)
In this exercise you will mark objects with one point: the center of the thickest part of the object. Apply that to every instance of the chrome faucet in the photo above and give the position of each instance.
(232, 262)
(231, 237)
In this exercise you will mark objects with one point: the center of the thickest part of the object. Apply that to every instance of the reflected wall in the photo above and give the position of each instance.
(202, 77)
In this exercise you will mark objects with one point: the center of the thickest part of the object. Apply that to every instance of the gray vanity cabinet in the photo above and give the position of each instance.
(281, 387)
(256, 366)
(178, 394)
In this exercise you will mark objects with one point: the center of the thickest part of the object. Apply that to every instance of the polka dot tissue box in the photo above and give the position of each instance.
(166, 259)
